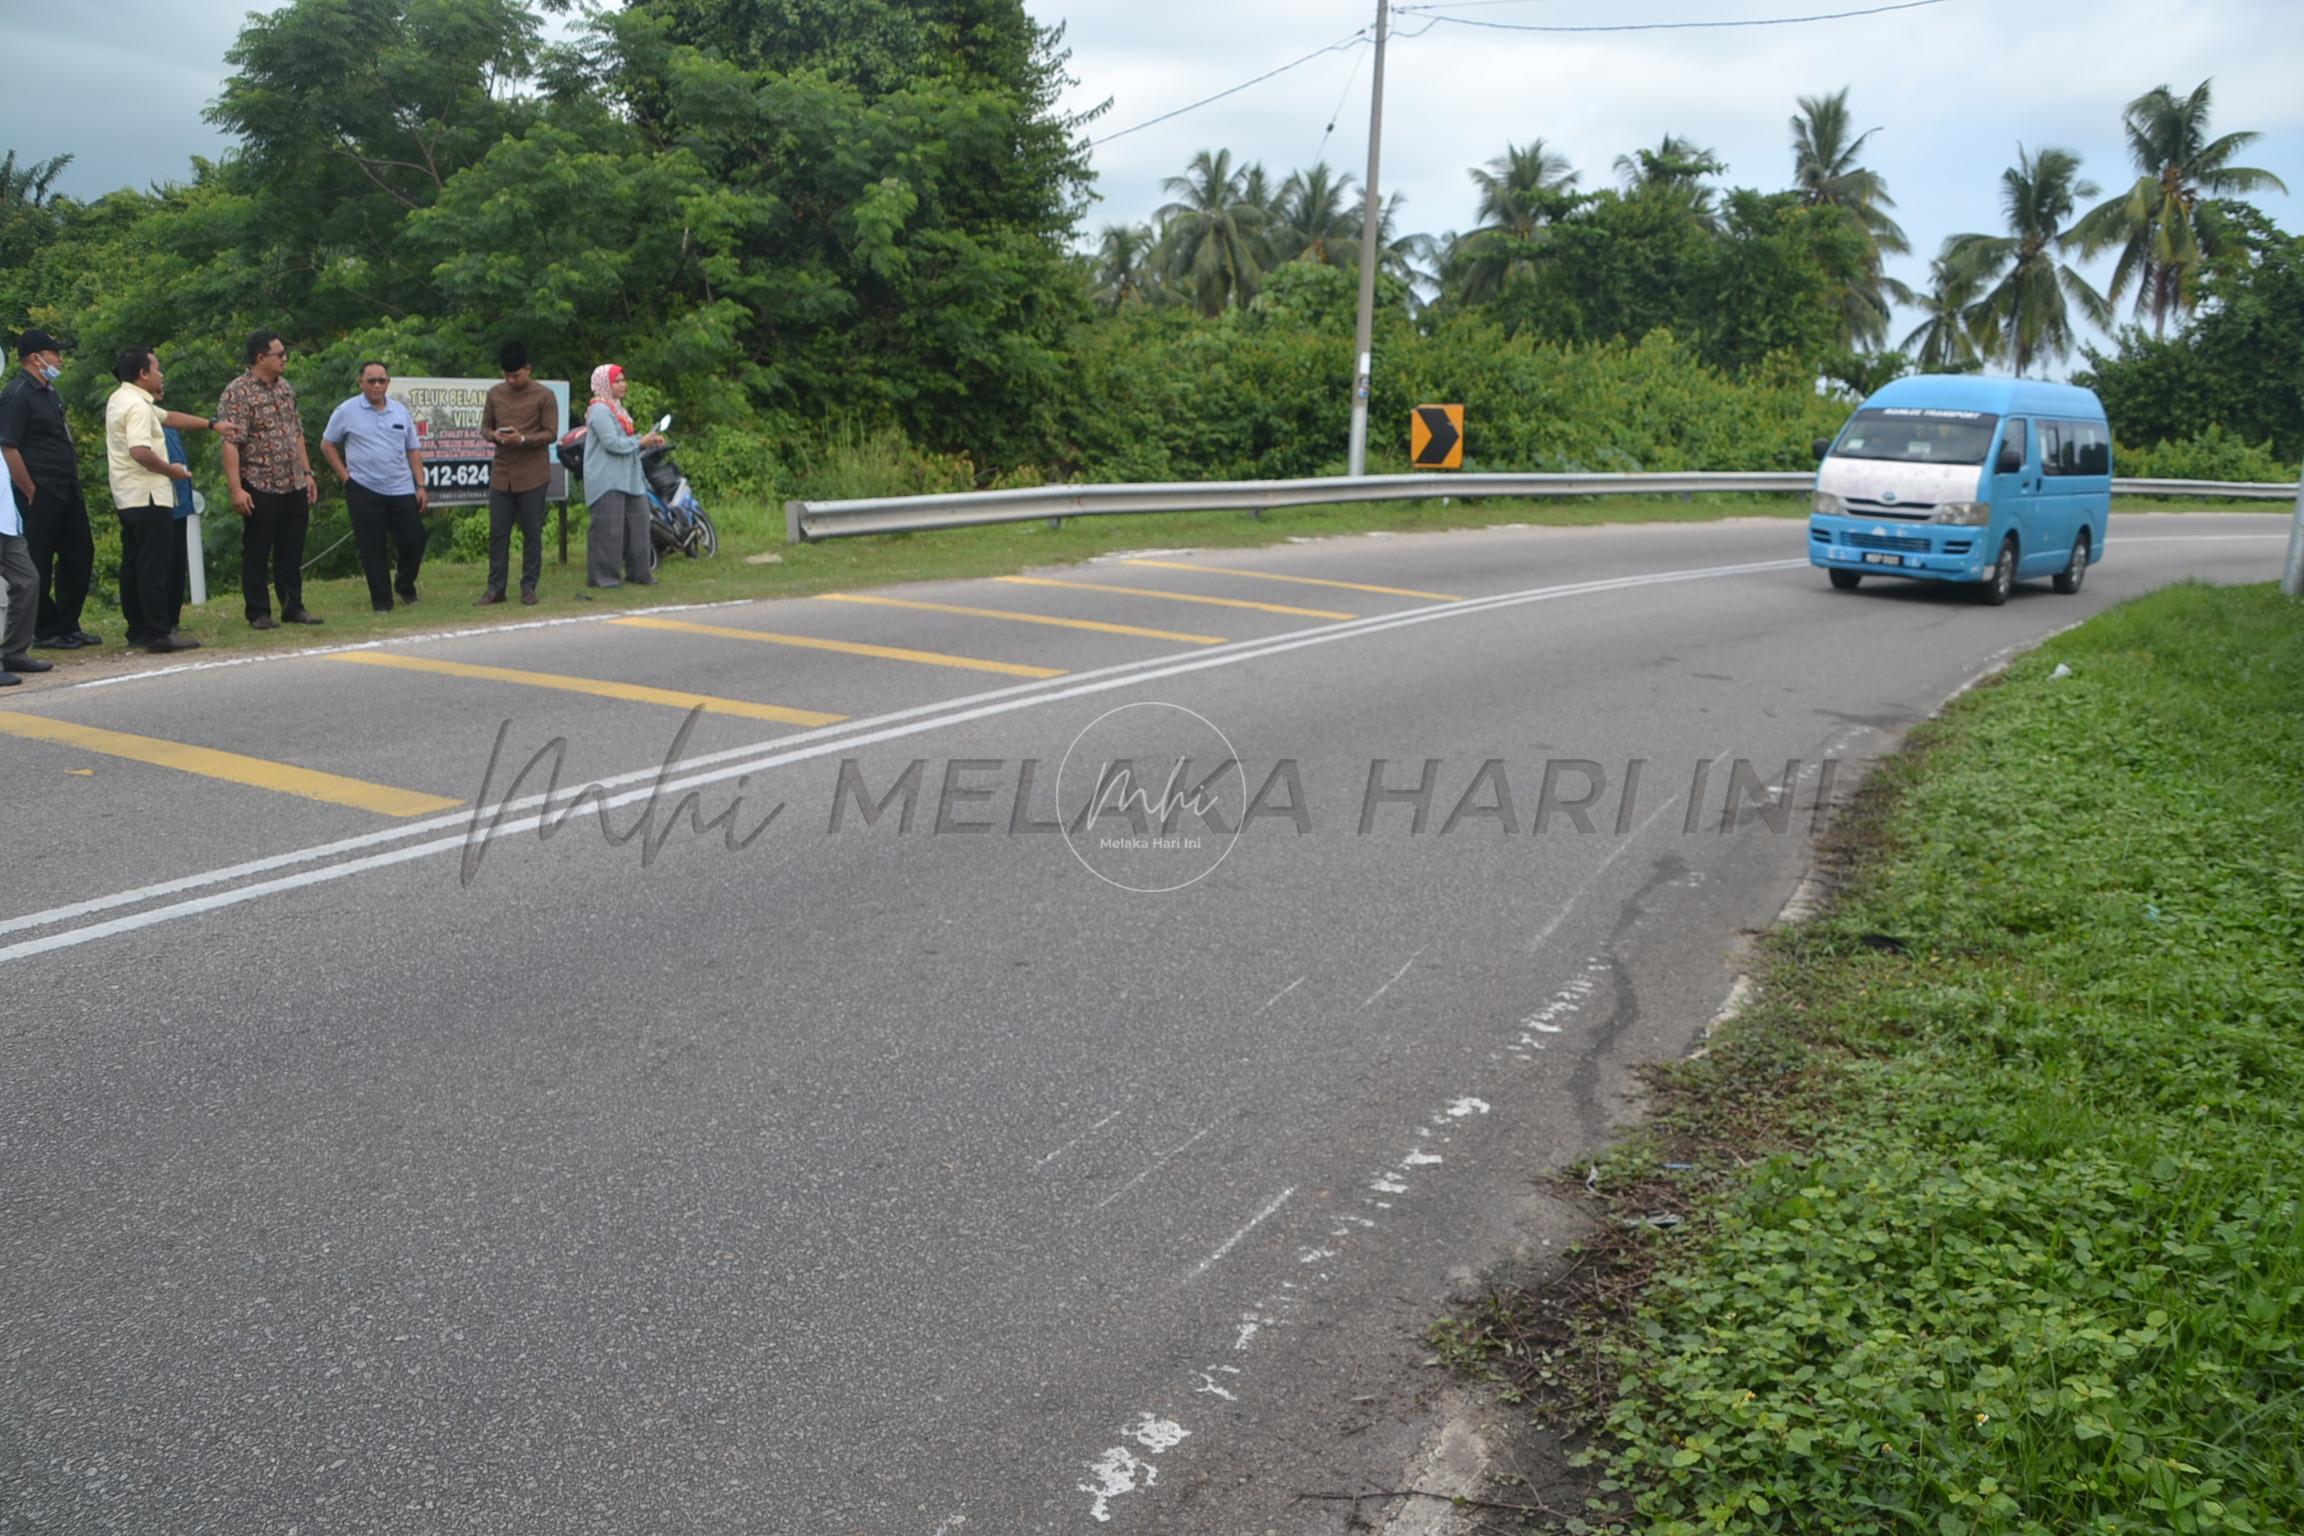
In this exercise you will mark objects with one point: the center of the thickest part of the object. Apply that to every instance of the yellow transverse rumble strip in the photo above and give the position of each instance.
(1173, 597)
(845, 647)
(1302, 581)
(209, 763)
(1013, 616)
(631, 693)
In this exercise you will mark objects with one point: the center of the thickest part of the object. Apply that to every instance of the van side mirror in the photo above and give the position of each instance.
(2011, 460)
(1820, 448)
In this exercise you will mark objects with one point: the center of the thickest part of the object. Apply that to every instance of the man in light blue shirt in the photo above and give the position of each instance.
(371, 443)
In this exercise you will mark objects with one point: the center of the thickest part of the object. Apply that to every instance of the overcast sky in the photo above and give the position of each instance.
(1953, 88)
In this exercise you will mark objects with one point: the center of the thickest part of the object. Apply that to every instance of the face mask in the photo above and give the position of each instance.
(50, 372)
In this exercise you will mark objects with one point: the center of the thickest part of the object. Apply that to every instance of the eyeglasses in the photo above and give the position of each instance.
(375, 379)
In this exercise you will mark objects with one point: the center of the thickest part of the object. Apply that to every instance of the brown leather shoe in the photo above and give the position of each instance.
(489, 600)
(528, 596)
(264, 621)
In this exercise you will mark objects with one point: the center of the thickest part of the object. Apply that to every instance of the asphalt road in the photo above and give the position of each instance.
(374, 1162)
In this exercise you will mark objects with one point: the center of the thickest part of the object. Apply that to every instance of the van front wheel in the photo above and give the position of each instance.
(1846, 581)
(2002, 581)
(2068, 579)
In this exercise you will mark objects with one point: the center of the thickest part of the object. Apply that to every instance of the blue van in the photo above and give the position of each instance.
(1953, 478)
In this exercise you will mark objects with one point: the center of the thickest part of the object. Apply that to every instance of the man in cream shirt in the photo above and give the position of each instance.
(153, 558)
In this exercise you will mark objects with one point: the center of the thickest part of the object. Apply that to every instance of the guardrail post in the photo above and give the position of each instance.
(2292, 579)
(794, 533)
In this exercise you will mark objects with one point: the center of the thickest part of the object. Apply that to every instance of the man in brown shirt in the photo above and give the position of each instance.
(271, 478)
(522, 419)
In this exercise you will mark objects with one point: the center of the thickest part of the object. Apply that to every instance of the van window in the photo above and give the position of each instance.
(2074, 448)
(1914, 435)
(2016, 438)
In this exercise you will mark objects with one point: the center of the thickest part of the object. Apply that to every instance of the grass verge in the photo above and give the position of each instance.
(1989, 1216)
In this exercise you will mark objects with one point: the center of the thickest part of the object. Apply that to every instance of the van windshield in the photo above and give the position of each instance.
(1916, 435)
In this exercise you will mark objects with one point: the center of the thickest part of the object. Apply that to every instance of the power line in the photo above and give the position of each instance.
(1336, 47)
(1432, 10)
(1337, 110)
(1664, 26)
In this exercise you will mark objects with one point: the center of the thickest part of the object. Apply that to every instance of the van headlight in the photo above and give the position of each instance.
(1829, 504)
(1971, 514)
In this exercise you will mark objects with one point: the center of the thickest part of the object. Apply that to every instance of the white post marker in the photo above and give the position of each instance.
(194, 557)
(2292, 578)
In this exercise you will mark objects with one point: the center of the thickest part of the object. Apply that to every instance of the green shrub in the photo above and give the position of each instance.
(2211, 454)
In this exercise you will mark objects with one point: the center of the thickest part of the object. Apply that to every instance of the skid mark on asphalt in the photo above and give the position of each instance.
(1173, 597)
(231, 767)
(843, 647)
(1083, 1136)
(1155, 1165)
(1012, 616)
(598, 688)
(1233, 1241)
(1302, 581)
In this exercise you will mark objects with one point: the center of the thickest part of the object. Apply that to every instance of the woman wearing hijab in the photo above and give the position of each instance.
(614, 490)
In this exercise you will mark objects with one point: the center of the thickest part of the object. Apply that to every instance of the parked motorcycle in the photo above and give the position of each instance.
(676, 520)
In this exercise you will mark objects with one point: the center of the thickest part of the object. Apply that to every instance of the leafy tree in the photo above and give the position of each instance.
(2165, 231)
(1827, 174)
(1773, 291)
(1521, 191)
(2231, 366)
(1213, 233)
(2027, 312)
(31, 213)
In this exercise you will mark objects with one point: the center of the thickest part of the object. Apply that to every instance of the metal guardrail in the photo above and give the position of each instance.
(808, 521)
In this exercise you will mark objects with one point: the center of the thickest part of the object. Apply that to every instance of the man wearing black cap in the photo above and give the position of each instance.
(44, 478)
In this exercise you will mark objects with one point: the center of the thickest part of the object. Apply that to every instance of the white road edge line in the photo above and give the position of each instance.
(739, 762)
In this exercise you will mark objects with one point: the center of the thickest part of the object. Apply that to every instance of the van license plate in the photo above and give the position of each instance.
(1878, 559)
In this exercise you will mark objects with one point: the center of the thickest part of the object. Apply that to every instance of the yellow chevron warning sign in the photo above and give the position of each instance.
(1436, 437)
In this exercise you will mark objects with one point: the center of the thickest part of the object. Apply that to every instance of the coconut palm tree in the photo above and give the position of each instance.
(2164, 232)
(2027, 313)
(1942, 342)
(1213, 234)
(1674, 172)
(1675, 162)
(1314, 224)
(28, 205)
(30, 185)
(1412, 258)
(1827, 173)
(1124, 272)
(1521, 191)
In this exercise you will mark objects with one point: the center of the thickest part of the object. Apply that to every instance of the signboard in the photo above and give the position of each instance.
(1436, 437)
(448, 439)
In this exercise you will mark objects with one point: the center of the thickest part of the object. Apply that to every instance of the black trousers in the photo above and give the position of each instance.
(386, 527)
(273, 544)
(153, 568)
(63, 552)
(506, 508)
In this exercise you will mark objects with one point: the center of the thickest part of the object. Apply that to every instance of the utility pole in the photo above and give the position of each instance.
(1365, 335)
